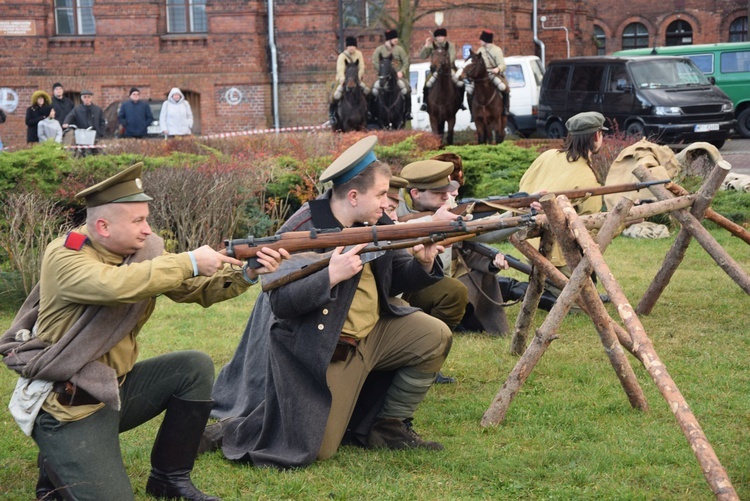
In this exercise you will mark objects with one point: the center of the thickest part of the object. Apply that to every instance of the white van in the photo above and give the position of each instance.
(524, 74)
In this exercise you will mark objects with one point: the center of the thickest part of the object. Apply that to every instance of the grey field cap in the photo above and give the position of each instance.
(585, 123)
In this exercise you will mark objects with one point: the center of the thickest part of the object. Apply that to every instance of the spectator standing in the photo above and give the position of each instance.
(86, 115)
(176, 117)
(50, 128)
(38, 111)
(62, 105)
(135, 115)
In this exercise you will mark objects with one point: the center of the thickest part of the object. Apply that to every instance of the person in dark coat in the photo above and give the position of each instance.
(86, 115)
(135, 115)
(38, 111)
(62, 105)
(289, 399)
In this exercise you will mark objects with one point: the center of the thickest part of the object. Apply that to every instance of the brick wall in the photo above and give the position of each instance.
(227, 71)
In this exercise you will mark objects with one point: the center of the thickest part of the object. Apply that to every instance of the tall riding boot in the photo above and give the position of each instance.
(425, 92)
(175, 448)
(332, 112)
(470, 99)
(460, 97)
(506, 103)
(407, 108)
(45, 489)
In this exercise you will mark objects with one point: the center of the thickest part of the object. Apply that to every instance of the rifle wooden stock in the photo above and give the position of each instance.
(519, 200)
(297, 241)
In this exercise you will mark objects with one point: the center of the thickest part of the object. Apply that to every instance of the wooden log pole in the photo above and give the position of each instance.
(533, 295)
(729, 225)
(546, 333)
(713, 471)
(691, 228)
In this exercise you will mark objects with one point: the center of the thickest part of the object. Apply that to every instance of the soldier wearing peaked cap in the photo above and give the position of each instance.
(569, 168)
(332, 333)
(470, 278)
(97, 289)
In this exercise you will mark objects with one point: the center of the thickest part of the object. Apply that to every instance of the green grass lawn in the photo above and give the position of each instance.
(569, 434)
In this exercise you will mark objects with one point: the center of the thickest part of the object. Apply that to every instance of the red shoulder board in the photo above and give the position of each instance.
(75, 241)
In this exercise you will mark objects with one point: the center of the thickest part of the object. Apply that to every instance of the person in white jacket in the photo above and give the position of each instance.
(176, 117)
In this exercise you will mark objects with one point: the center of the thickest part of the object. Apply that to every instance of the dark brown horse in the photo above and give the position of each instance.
(352, 109)
(487, 104)
(445, 96)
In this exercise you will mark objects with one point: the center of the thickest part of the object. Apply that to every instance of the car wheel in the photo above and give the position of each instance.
(743, 122)
(718, 143)
(635, 129)
(555, 130)
(510, 128)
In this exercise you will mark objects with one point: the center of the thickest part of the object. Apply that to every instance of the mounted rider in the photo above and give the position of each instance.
(350, 55)
(495, 62)
(439, 41)
(400, 64)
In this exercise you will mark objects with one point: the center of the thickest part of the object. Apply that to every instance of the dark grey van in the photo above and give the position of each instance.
(665, 99)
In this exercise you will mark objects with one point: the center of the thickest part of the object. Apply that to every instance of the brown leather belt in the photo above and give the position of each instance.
(70, 395)
(344, 346)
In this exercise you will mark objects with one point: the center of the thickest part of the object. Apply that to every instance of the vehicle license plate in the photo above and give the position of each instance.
(706, 127)
(153, 129)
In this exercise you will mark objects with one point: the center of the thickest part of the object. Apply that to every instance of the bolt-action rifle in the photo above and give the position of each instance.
(522, 199)
(380, 238)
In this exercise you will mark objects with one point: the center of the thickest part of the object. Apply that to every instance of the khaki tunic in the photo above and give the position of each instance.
(427, 50)
(493, 57)
(344, 58)
(72, 280)
(400, 58)
(552, 172)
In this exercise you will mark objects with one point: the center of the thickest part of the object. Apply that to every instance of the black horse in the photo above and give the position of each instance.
(445, 97)
(389, 105)
(352, 108)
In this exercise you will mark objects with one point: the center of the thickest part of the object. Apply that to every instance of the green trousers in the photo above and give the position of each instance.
(86, 454)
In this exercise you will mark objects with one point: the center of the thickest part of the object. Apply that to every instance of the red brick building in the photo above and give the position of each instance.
(219, 53)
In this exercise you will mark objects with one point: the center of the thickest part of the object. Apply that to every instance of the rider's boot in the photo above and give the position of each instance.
(332, 112)
(425, 92)
(407, 111)
(461, 92)
(506, 103)
(469, 99)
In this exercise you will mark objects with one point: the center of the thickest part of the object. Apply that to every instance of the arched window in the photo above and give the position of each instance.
(634, 36)
(738, 30)
(679, 33)
(601, 40)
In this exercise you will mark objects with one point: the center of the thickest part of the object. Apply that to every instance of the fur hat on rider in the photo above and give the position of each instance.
(486, 36)
(390, 35)
(440, 32)
(351, 42)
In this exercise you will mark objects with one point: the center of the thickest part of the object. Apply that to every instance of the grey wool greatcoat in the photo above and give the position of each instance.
(274, 389)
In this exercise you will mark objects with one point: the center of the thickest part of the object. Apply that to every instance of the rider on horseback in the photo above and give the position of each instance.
(495, 62)
(350, 55)
(400, 64)
(439, 42)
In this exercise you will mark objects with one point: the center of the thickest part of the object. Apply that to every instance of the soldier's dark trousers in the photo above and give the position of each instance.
(85, 455)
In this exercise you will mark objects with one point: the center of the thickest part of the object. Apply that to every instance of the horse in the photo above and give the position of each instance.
(487, 103)
(389, 105)
(444, 98)
(352, 108)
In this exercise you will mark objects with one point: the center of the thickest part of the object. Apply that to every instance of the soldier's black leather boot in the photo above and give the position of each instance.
(175, 448)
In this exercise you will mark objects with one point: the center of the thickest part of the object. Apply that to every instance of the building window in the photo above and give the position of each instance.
(361, 13)
(74, 17)
(600, 39)
(738, 30)
(679, 33)
(186, 16)
(634, 36)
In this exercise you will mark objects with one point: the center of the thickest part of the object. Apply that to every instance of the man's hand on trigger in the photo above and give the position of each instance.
(209, 261)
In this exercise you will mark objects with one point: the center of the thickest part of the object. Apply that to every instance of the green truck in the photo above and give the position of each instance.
(727, 65)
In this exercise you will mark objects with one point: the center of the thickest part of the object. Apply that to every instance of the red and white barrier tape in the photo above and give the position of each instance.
(300, 128)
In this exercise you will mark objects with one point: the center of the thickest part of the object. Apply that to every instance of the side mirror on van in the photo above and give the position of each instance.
(712, 80)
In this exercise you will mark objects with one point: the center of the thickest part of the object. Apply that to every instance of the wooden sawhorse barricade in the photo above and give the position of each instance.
(561, 223)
